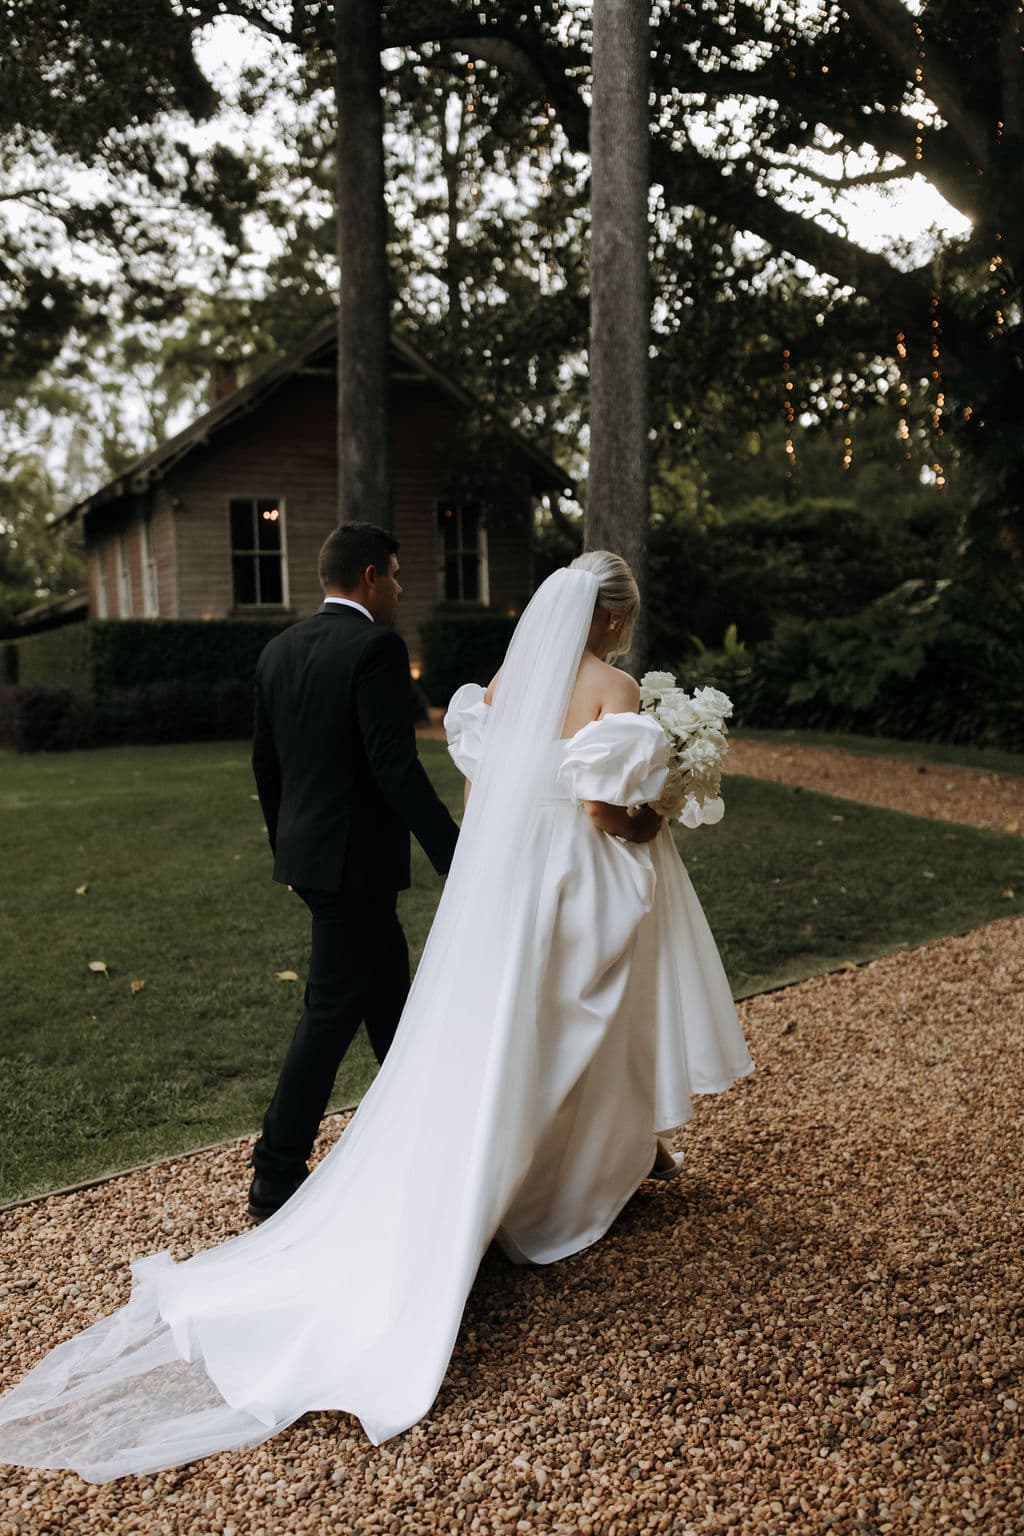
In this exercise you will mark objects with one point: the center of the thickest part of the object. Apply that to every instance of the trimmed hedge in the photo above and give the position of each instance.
(36, 718)
(462, 648)
(102, 657)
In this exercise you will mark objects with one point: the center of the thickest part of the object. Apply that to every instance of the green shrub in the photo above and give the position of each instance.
(35, 718)
(462, 648)
(105, 656)
(930, 662)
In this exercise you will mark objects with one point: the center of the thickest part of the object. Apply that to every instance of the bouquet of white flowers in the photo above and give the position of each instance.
(696, 729)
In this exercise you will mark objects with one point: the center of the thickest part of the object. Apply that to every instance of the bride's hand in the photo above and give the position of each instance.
(617, 821)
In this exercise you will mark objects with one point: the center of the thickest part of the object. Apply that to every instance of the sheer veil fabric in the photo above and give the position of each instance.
(350, 1298)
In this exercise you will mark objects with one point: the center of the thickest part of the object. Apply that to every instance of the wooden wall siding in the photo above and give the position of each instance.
(284, 448)
(422, 422)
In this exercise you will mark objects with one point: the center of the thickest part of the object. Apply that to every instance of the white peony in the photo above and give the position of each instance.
(657, 682)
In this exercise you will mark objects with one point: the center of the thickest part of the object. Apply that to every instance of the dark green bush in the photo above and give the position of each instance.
(8, 662)
(462, 648)
(36, 718)
(106, 656)
(767, 562)
(930, 662)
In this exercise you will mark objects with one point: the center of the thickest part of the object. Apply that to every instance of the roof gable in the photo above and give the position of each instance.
(319, 347)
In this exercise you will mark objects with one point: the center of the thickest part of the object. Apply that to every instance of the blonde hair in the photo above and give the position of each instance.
(617, 591)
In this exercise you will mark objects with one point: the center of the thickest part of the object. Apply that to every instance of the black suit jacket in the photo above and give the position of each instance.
(334, 755)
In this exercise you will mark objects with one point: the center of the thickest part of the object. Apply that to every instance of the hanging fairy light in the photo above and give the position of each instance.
(919, 82)
(789, 412)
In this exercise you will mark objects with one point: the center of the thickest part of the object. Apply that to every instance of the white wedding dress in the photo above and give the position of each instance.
(569, 1002)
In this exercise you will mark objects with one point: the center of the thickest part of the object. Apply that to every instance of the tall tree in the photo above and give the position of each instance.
(618, 483)
(364, 448)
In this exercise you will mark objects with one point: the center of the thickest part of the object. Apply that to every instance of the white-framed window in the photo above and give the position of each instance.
(462, 553)
(259, 571)
(150, 593)
(102, 600)
(124, 579)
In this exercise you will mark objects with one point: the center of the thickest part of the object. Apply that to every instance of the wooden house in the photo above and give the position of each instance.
(225, 520)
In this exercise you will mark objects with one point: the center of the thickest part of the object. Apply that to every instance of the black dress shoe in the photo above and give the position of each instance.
(268, 1195)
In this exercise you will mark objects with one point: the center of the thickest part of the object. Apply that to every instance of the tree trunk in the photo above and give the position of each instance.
(364, 446)
(618, 494)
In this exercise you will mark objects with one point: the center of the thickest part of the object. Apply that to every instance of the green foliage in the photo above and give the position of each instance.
(151, 680)
(100, 657)
(766, 561)
(462, 648)
(36, 718)
(920, 664)
(8, 662)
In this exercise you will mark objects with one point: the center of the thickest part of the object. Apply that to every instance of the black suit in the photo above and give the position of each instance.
(341, 787)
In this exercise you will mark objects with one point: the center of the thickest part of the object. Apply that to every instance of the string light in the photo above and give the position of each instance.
(919, 82)
(789, 411)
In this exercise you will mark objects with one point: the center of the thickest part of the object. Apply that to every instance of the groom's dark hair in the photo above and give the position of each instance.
(349, 549)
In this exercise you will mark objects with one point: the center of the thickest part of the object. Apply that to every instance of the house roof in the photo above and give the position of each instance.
(318, 346)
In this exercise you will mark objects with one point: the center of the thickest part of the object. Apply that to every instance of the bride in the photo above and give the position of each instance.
(569, 1001)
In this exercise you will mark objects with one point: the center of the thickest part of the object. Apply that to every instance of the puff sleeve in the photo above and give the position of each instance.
(464, 725)
(621, 759)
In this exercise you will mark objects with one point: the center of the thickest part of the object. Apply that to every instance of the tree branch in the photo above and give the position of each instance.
(1011, 67)
(891, 25)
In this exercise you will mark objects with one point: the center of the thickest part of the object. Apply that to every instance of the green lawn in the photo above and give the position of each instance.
(989, 759)
(169, 842)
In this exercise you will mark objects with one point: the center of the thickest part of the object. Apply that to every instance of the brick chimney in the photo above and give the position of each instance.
(223, 379)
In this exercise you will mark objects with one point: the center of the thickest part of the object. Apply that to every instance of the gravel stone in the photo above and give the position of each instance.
(944, 791)
(817, 1329)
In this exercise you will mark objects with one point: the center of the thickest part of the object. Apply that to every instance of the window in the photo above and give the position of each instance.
(462, 541)
(150, 598)
(257, 551)
(102, 601)
(124, 579)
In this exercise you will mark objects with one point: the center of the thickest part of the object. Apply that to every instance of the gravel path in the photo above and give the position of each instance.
(817, 1330)
(942, 790)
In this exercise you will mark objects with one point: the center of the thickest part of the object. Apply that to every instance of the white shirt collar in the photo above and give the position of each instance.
(348, 603)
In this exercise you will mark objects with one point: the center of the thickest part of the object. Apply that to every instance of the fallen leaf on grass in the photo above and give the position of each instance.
(100, 966)
(929, 874)
(1008, 893)
(136, 986)
(254, 797)
(80, 890)
(1012, 826)
(287, 975)
(848, 965)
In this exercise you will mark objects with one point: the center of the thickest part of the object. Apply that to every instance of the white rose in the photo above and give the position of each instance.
(712, 705)
(712, 811)
(657, 682)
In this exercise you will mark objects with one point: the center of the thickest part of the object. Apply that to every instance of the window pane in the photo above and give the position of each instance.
(448, 526)
(270, 579)
(451, 579)
(268, 525)
(243, 534)
(470, 524)
(470, 578)
(244, 571)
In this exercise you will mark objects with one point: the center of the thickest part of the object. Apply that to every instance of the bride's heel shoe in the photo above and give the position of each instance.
(673, 1172)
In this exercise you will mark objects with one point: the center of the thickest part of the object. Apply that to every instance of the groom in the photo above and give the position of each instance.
(341, 787)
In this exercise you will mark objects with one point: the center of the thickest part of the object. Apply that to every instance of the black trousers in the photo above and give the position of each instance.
(358, 973)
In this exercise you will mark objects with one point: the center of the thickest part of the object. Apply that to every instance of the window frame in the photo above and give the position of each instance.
(461, 552)
(150, 578)
(282, 553)
(124, 577)
(102, 595)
